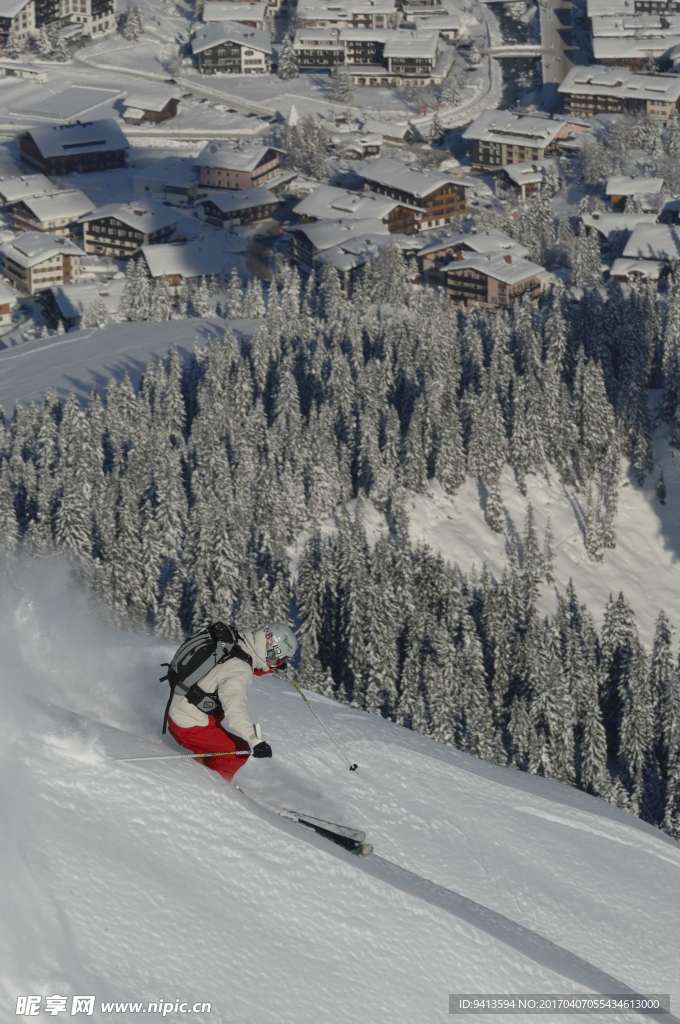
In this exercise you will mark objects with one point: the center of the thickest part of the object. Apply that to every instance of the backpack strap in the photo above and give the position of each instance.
(204, 700)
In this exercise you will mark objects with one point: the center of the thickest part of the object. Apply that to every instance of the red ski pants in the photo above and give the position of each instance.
(213, 739)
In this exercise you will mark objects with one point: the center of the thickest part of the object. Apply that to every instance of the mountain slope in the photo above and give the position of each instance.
(156, 880)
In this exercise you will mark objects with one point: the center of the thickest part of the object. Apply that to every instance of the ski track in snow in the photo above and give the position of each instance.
(523, 940)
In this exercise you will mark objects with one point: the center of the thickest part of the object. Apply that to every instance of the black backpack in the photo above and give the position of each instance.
(215, 641)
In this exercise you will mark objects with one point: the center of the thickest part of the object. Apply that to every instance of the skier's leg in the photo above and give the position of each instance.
(212, 738)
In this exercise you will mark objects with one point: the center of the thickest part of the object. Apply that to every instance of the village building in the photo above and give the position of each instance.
(252, 15)
(69, 303)
(614, 229)
(627, 270)
(644, 191)
(150, 106)
(531, 176)
(330, 203)
(8, 303)
(500, 137)
(355, 146)
(26, 186)
(658, 242)
(231, 48)
(588, 91)
(17, 17)
(308, 241)
(457, 246)
(239, 206)
(225, 165)
(82, 146)
(121, 229)
(372, 56)
(35, 260)
(379, 14)
(57, 213)
(496, 281)
(447, 26)
(350, 256)
(441, 198)
(176, 264)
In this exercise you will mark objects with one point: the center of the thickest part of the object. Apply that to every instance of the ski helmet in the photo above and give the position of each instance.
(280, 644)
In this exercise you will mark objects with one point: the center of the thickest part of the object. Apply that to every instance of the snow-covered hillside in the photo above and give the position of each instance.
(156, 880)
(644, 564)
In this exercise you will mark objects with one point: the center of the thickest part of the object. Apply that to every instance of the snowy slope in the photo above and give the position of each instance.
(644, 564)
(82, 361)
(157, 881)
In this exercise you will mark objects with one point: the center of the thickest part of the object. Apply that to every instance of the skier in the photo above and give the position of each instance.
(259, 653)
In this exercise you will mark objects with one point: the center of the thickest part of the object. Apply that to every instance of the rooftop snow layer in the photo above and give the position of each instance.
(217, 32)
(141, 214)
(85, 137)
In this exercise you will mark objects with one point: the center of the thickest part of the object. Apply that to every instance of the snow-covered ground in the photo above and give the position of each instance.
(156, 880)
(82, 361)
(644, 564)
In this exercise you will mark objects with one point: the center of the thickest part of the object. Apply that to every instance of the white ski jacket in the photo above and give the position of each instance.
(231, 680)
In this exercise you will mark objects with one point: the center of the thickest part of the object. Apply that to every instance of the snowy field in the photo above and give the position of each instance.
(157, 881)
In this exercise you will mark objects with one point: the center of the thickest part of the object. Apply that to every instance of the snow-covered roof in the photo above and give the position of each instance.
(607, 224)
(480, 242)
(654, 242)
(407, 43)
(232, 156)
(16, 188)
(597, 80)
(318, 10)
(387, 129)
(621, 185)
(626, 268)
(215, 252)
(510, 269)
(452, 20)
(68, 105)
(606, 48)
(325, 38)
(229, 201)
(532, 172)
(225, 10)
(33, 247)
(638, 25)
(81, 137)
(150, 99)
(330, 203)
(72, 300)
(597, 7)
(70, 203)
(141, 215)
(357, 251)
(10, 8)
(327, 233)
(395, 174)
(217, 32)
(514, 129)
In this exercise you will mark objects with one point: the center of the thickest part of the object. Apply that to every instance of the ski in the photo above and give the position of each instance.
(351, 839)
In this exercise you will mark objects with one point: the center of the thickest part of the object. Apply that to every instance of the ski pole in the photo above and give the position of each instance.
(170, 757)
(352, 764)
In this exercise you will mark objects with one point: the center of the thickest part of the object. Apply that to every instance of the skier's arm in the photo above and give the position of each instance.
(231, 681)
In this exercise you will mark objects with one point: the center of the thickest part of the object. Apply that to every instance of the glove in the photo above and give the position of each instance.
(262, 749)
